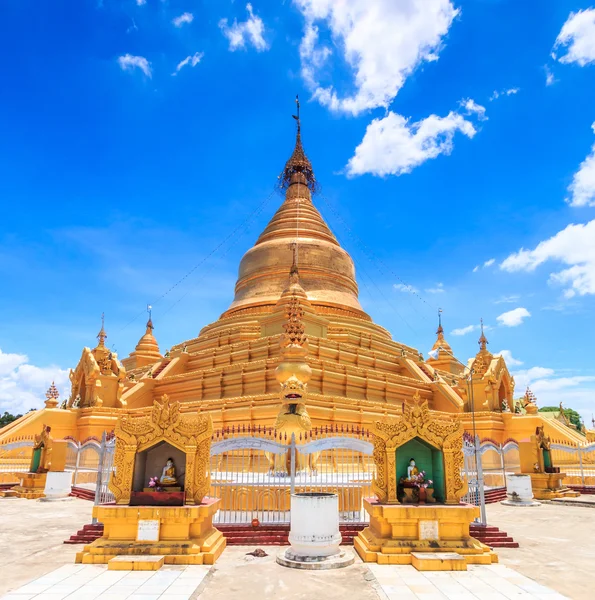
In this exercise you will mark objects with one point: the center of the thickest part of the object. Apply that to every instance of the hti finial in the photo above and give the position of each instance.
(440, 329)
(483, 341)
(298, 162)
(102, 335)
(150, 321)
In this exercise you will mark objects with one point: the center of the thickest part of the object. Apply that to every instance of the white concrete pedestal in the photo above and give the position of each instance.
(58, 485)
(519, 491)
(314, 534)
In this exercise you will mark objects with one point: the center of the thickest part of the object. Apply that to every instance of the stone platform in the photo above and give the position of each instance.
(397, 531)
(547, 486)
(185, 535)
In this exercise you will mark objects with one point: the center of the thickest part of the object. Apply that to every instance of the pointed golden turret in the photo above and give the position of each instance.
(101, 336)
(445, 360)
(147, 350)
(327, 273)
(483, 357)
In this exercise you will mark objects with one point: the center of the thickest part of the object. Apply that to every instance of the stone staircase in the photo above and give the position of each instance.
(82, 493)
(492, 537)
(86, 535)
(495, 495)
(275, 535)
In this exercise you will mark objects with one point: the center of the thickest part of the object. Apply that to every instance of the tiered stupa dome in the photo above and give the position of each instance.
(327, 273)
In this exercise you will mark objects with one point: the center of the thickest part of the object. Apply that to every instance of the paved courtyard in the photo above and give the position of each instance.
(556, 554)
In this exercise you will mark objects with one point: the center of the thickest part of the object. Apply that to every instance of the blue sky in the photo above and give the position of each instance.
(137, 137)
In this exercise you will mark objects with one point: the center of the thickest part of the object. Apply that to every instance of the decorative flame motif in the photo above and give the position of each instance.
(295, 330)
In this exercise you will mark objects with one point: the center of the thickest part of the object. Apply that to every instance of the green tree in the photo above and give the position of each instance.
(7, 418)
(569, 413)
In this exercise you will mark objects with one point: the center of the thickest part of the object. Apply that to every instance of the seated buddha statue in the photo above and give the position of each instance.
(168, 476)
(412, 470)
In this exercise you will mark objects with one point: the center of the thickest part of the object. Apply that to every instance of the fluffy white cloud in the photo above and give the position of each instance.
(23, 386)
(401, 287)
(503, 93)
(577, 38)
(249, 31)
(191, 60)
(129, 63)
(573, 246)
(549, 76)
(464, 330)
(510, 360)
(394, 146)
(582, 188)
(439, 289)
(182, 19)
(472, 108)
(382, 42)
(514, 317)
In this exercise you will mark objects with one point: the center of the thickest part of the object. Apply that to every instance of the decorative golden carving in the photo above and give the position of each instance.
(189, 433)
(417, 421)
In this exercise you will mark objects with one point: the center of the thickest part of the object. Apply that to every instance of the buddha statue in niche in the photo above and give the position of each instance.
(412, 470)
(168, 475)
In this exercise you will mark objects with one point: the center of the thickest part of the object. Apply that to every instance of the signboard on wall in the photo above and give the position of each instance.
(148, 530)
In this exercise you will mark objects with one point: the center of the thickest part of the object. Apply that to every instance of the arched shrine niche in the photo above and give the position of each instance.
(153, 463)
(435, 439)
(144, 443)
(429, 460)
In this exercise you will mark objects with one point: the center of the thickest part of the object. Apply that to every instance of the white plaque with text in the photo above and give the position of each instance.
(428, 530)
(148, 531)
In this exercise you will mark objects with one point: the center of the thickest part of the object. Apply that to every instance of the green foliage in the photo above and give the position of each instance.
(569, 413)
(7, 418)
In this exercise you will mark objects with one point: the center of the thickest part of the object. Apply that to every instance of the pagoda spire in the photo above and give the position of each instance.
(440, 341)
(101, 336)
(483, 340)
(298, 163)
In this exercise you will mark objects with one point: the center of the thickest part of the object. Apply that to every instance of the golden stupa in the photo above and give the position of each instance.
(359, 374)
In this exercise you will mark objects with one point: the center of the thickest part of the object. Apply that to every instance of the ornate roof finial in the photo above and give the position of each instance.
(440, 330)
(483, 340)
(150, 321)
(52, 396)
(298, 161)
(102, 335)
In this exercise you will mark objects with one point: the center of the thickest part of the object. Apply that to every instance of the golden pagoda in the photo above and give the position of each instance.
(359, 374)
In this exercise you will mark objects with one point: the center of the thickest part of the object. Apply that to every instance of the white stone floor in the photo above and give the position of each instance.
(90, 582)
(493, 582)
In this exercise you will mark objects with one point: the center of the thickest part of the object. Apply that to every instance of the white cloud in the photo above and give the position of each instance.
(582, 188)
(141, 2)
(476, 268)
(129, 63)
(508, 299)
(394, 146)
(549, 76)
(489, 262)
(401, 287)
(510, 360)
(191, 60)
(182, 19)
(472, 108)
(577, 38)
(436, 290)
(573, 246)
(502, 93)
(23, 386)
(464, 330)
(250, 31)
(514, 317)
(382, 42)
